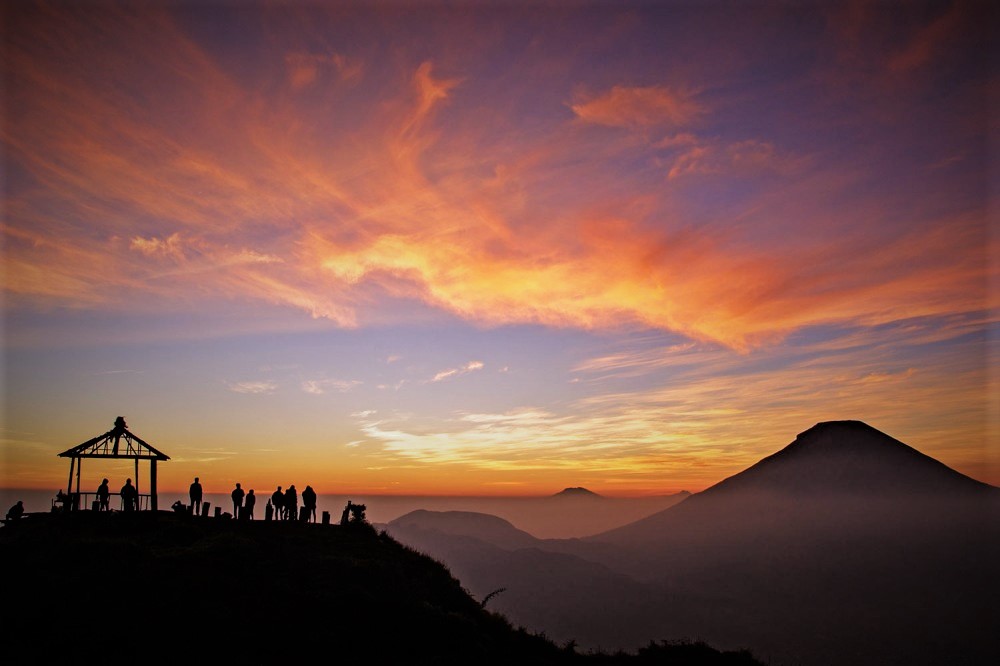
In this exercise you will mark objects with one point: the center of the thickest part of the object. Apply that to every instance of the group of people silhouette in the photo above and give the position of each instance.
(280, 506)
(285, 505)
(128, 493)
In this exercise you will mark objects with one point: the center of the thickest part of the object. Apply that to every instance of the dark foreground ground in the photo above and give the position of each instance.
(165, 588)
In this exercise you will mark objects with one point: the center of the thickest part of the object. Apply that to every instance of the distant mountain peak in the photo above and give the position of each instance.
(848, 456)
(576, 492)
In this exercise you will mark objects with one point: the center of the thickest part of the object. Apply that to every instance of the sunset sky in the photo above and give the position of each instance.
(495, 247)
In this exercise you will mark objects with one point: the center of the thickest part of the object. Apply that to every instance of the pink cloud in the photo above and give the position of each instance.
(304, 69)
(624, 106)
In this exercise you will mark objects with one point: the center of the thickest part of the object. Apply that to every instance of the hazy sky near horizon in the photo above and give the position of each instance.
(495, 247)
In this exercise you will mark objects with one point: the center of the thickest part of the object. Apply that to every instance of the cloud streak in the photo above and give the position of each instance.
(253, 387)
(624, 106)
(451, 373)
(321, 386)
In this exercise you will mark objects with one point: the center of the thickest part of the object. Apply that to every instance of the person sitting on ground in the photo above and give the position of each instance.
(178, 507)
(15, 512)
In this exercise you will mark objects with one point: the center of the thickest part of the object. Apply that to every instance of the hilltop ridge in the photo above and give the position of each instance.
(116, 588)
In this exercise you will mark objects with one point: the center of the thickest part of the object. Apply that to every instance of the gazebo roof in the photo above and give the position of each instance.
(109, 445)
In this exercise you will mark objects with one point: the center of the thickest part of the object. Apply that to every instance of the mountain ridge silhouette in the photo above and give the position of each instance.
(847, 466)
(850, 456)
(844, 546)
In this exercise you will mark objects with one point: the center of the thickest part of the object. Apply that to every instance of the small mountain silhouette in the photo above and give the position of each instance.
(576, 492)
(482, 526)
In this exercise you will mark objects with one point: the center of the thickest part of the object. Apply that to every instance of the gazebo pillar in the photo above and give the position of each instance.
(153, 505)
(79, 467)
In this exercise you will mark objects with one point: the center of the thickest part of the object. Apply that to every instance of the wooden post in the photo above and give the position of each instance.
(204, 509)
(69, 484)
(152, 484)
(326, 517)
(75, 499)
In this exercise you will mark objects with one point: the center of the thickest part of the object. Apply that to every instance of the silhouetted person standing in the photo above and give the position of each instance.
(291, 503)
(15, 512)
(195, 494)
(103, 496)
(249, 503)
(237, 496)
(309, 502)
(130, 496)
(278, 501)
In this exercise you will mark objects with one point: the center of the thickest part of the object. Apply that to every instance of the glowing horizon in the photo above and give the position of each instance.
(495, 250)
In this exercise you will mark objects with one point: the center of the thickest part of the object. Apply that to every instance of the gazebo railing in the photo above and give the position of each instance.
(87, 502)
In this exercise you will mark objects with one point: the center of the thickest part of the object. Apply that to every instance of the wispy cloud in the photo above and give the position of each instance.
(253, 387)
(170, 247)
(471, 366)
(742, 158)
(619, 441)
(305, 69)
(321, 386)
(624, 106)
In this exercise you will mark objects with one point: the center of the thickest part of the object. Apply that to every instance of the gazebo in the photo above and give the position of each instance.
(115, 443)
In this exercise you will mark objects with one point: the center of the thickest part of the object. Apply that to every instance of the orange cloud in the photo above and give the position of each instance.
(749, 157)
(416, 199)
(305, 68)
(624, 106)
(158, 246)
